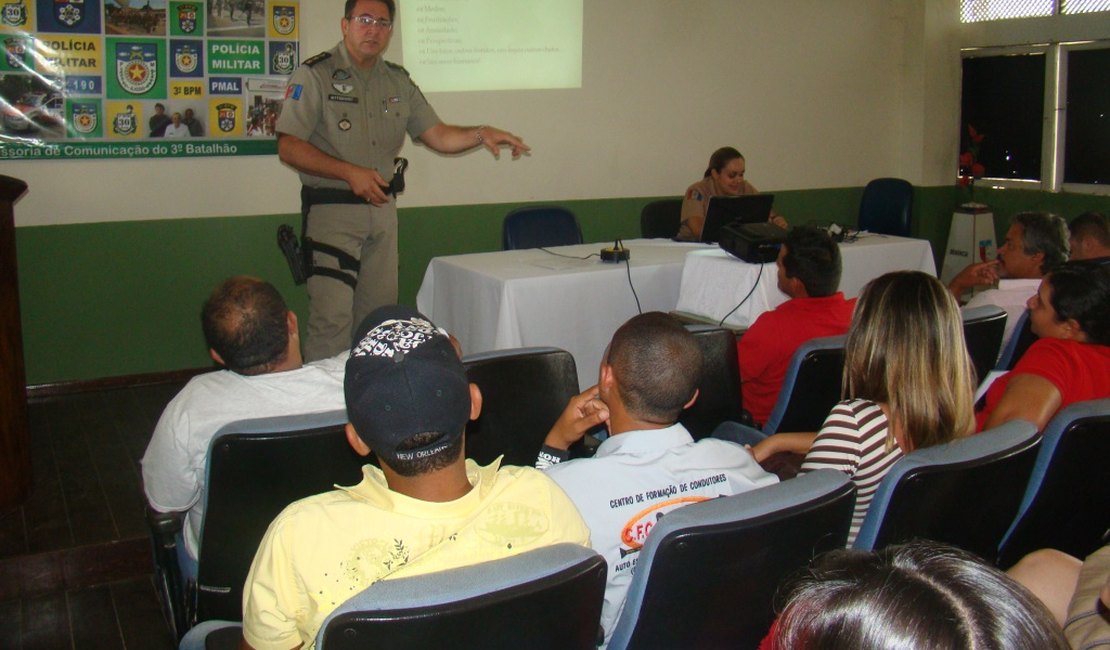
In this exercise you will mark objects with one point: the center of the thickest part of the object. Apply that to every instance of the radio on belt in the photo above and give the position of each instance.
(618, 253)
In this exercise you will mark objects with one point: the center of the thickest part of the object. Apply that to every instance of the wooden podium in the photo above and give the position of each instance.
(15, 445)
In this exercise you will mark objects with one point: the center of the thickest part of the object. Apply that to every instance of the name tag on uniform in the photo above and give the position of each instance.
(343, 98)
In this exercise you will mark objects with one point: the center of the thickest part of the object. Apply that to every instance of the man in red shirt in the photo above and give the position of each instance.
(808, 272)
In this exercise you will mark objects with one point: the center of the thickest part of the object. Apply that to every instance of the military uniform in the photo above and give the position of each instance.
(359, 116)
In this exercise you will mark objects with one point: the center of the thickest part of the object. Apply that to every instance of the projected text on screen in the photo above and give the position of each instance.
(456, 45)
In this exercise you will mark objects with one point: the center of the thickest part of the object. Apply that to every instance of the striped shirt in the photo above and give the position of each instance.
(853, 439)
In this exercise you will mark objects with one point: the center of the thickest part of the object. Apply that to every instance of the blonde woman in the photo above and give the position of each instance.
(908, 381)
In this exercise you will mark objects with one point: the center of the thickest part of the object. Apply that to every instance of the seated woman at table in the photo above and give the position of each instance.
(723, 177)
(908, 381)
(1070, 362)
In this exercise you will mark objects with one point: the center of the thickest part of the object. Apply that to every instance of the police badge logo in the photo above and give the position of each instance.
(344, 124)
(136, 67)
(15, 49)
(341, 75)
(186, 59)
(125, 123)
(284, 60)
(84, 117)
(225, 117)
(70, 13)
(14, 14)
(187, 18)
(344, 88)
(284, 20)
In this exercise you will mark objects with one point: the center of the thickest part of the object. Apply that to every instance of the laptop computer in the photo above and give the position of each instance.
(722, 210)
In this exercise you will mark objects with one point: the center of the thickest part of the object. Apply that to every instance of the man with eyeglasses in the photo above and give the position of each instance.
(343, 122)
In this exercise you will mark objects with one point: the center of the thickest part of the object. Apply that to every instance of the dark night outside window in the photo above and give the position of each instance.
(1003, 98)
(1087, 138)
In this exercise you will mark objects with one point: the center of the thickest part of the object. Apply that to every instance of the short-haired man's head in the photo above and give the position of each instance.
(920, 595)
(1044, 232)
(813, 258)
(1081, 291)
(721, 158)
(1092, 226)
(407, 393)
(657, 364)
(245, 321)
(349, 6)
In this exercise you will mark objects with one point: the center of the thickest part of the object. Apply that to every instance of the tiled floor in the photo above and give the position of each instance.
(75, 559)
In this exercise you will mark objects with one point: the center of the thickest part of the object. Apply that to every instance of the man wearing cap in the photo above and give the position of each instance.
(251, 332)
(650, 464)
(427, 509)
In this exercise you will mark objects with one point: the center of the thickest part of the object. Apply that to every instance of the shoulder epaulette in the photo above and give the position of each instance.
(311, 61)
(398, 67)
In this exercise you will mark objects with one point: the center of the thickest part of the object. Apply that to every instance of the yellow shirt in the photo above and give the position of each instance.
(322, 550)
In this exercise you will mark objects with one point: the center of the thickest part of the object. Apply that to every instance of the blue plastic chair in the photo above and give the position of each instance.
(964, 493)
(540, 227)
(1067, 501)
(886, 207)
(1020, 340)
(811, 387)
(983, 330)
(545, 598)
(661, 219)
(708, 572)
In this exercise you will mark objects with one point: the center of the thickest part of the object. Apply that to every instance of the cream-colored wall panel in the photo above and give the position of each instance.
(814, 93)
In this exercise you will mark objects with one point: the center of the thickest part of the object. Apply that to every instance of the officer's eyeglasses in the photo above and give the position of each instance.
(366, 20)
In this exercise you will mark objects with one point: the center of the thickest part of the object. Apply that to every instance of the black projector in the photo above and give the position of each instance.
(756, 243)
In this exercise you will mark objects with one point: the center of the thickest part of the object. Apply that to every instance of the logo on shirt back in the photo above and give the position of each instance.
(636, 530)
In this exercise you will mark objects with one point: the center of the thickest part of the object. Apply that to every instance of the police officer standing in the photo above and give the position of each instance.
(343, 121)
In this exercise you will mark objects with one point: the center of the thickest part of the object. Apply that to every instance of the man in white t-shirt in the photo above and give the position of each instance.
(650, 464)
(251, 332)
(1036, 243)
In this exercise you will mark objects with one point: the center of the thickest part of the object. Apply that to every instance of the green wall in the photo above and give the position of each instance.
(109, 299)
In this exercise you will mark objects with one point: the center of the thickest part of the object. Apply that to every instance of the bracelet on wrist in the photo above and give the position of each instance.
(478, 134)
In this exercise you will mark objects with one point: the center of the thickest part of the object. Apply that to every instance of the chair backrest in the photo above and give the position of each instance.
(661, 218)
(983, 329)
(964, 493)
(1020, 340)
(545, 598)
(524, 390)
(1067, 502)
(886, 207)
(540, 226)
(707, 574)
(255, 469)
(719, 393)
(811, 388)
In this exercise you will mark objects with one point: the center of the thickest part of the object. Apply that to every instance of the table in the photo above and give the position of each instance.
(713, 282)
(524, 298)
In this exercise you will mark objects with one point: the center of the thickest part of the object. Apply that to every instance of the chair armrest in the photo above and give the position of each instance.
(164, 528)
(164, 525)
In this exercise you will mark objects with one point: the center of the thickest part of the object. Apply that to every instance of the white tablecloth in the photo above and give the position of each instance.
(524, 298)
(714, 282)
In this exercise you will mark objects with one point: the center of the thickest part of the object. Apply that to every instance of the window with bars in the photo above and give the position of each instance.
(974, 11)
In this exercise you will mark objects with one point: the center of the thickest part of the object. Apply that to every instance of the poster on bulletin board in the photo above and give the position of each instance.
(84, 79)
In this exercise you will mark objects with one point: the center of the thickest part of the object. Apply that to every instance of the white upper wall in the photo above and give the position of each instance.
(815, 93)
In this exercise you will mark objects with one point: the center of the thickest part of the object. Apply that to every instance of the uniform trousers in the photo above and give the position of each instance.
(369, 234)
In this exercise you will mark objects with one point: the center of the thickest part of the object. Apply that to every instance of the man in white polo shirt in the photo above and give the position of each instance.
(650, 464)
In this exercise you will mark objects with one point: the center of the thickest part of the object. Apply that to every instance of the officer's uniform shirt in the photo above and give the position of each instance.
(359, 116)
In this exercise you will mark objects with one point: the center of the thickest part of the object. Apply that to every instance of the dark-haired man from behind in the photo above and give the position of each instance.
(650, 464)
(809, 273)
(1090, 238)
(427, 509)
(253, 334)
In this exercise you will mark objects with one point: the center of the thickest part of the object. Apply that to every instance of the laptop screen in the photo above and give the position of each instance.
(723, 210)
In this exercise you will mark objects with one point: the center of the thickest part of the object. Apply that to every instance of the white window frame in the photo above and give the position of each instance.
(1055, 115)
